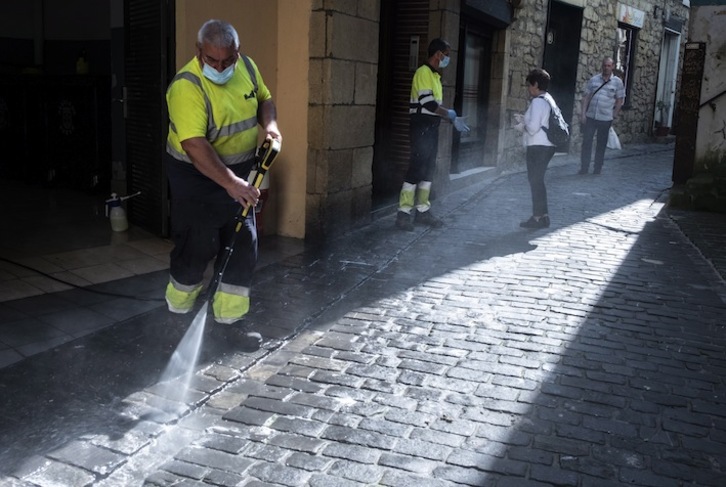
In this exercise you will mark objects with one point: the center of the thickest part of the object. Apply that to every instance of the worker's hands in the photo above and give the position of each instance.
(272, 131)
(244, 193)
(460, 125)
(457, 122)
(206, 160)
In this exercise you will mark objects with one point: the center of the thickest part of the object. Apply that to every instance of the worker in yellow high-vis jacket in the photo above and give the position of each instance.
(216, 103)
(426, 111)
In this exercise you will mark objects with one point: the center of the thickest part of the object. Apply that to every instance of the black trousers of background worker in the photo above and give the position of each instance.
(424, 139)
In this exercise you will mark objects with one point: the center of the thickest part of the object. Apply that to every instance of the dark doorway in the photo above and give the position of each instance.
(472, 95)
(403, 43)
(562, 51)
(149, 46)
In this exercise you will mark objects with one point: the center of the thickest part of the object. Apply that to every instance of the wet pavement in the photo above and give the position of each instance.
(587, 354)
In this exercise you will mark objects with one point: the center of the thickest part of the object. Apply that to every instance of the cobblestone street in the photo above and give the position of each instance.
(479, 354)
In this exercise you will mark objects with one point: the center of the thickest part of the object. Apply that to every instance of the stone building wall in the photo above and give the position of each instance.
(636, 122)
(526, 41)
(342, 101)
(709, 23)
(344, 50)
(706, 188)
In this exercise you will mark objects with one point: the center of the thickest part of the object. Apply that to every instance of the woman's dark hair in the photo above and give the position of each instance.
(539, 76)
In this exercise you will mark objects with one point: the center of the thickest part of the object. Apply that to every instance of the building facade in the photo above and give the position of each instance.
(361, 57)
(340, 73)
(700, 157)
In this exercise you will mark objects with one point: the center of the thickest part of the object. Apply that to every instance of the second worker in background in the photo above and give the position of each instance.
(426, 111)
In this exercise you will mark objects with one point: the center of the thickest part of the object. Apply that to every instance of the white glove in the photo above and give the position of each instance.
(460, 125)
(518, 117)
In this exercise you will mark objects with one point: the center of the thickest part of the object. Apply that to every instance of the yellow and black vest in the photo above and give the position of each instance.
(425, 88)
(226, 115)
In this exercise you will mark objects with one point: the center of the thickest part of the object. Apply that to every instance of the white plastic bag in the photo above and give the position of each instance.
(613, 140)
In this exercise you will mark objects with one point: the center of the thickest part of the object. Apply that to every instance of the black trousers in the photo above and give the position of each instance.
(538, 158)
(591, 128)
(201, 231)
(424, 135)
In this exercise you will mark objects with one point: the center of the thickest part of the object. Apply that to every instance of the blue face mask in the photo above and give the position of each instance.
(444, 62)
(215, 76)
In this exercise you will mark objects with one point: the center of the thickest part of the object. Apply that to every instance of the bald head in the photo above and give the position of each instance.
(607, 66)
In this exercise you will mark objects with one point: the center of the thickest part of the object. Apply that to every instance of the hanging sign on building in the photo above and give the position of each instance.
(631, 15)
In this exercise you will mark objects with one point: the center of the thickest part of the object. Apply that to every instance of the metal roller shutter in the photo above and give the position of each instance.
(406, 18)
(149, 42)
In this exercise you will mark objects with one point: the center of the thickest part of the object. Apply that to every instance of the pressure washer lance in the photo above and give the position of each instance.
(265, 156)
(116, 213)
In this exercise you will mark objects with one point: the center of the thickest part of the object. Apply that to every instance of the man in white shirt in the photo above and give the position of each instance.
(603, 97)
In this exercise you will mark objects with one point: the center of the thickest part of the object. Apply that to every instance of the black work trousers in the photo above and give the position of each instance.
(202, 231)
(424, 140)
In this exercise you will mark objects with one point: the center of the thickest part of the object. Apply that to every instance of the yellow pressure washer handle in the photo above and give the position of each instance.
(266, 155)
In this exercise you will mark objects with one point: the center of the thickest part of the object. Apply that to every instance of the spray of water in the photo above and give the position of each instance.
(178, 374)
